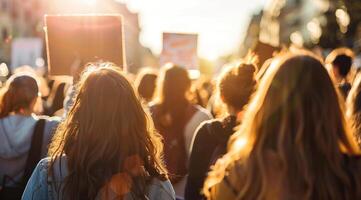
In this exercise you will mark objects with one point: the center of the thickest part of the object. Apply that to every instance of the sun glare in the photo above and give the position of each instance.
(88, 2)
(240, 143)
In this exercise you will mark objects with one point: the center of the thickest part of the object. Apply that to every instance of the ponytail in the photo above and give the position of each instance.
(7, 106)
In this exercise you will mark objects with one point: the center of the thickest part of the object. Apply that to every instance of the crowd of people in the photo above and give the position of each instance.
(286, 129)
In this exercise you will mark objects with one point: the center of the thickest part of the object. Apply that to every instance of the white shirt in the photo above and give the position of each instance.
(189, 131)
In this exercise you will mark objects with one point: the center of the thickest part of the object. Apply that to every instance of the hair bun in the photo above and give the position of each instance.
(237, 85)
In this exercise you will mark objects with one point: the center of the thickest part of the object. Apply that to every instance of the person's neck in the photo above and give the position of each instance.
(24, 112)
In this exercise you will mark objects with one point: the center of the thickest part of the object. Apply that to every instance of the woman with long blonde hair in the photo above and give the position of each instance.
(106, 148)
(294, 142)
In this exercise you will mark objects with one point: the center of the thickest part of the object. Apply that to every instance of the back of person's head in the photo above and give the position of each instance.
(146, 84)
(37, 73)
(295, 129)
(19, 94)
(236, 85)
(341, 59)
(173, 85)
(107, 132)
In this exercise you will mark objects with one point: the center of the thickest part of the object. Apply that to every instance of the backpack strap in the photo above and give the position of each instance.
(35, 150)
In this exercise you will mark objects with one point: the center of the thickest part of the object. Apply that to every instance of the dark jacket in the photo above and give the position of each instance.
(210, 143)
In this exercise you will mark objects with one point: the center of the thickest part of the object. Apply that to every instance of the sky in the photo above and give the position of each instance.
(220, 24)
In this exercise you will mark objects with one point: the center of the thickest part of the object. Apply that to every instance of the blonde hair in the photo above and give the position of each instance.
(296, 115)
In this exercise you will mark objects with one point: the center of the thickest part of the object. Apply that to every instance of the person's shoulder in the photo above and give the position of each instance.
(161, 190)
(43, 166)
(58, 167)
(202, 112)
(201, 109)
(45, 162)
(207, 129)
(37, 186)
(210, 124)
(50, 122)
(48, 119)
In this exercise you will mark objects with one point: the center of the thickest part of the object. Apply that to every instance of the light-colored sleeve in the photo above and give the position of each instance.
(200, 116)
(37, 186)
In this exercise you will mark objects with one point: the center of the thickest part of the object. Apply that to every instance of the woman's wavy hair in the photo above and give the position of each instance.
(106, 129)
(296, 116)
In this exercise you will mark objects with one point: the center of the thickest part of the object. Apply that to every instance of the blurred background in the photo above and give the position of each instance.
(226, 29)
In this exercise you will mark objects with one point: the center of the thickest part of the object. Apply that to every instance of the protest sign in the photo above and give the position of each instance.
(180, 49)
(79, 39)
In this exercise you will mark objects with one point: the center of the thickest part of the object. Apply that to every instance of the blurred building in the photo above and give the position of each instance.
(19, 19)
(25, 19)
(5, 30)
(307, 23)
(252, 34)
(292, 21)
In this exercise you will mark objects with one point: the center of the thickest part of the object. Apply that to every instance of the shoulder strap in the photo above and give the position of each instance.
(35, 150)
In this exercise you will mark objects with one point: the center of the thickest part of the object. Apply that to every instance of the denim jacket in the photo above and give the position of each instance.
(41, 186)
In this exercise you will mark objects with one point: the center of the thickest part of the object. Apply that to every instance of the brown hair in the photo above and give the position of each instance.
(236, 85)
(296, 117)
(105, 128)
(20, 91)
(173, 86)
(146, 84)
